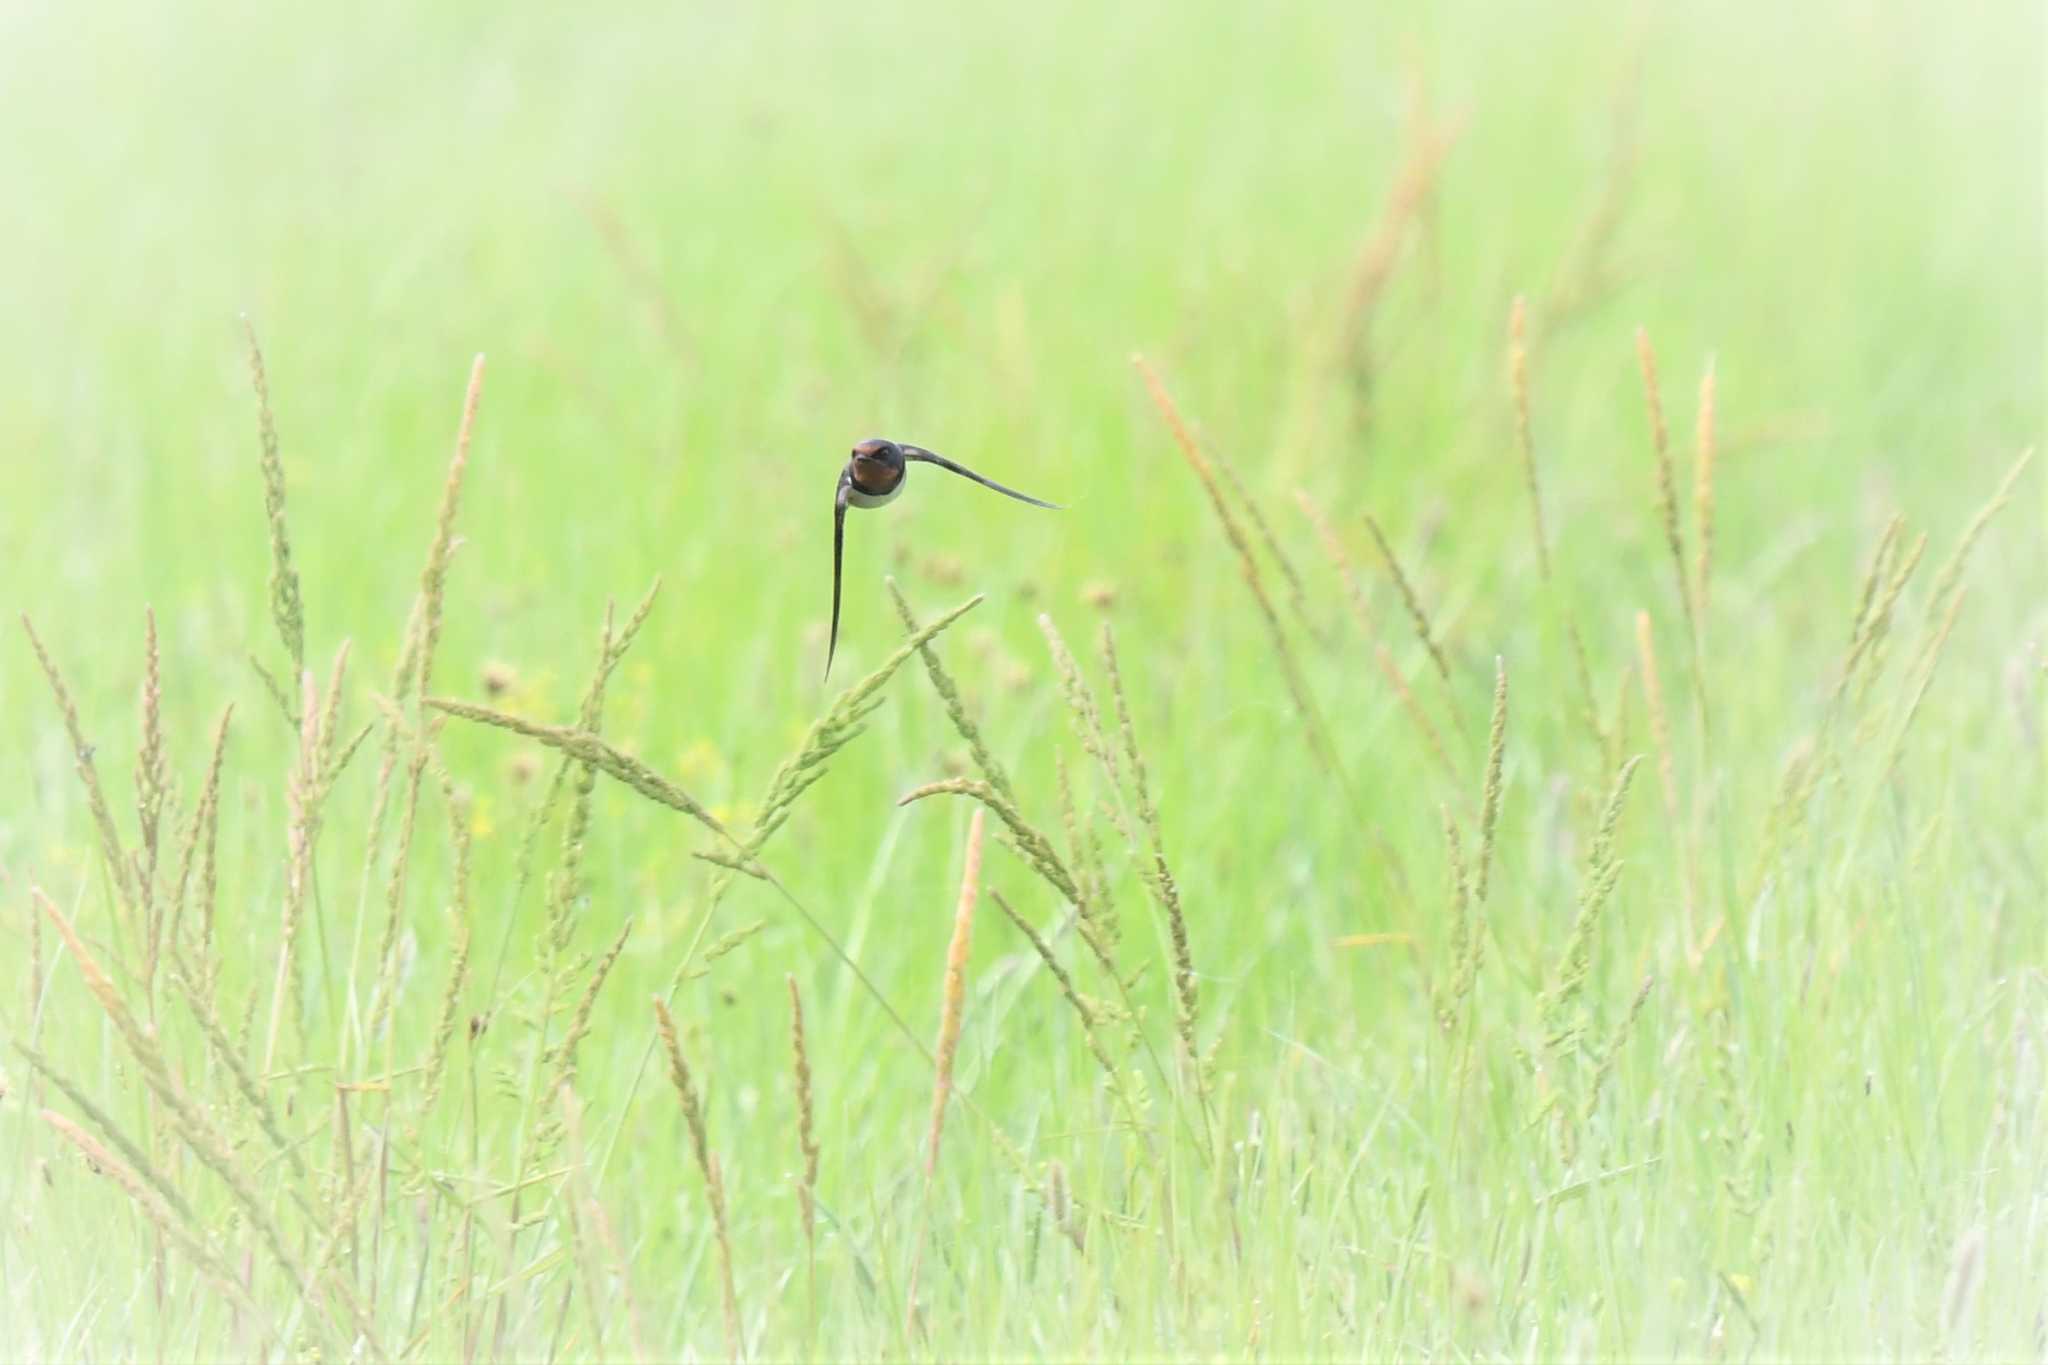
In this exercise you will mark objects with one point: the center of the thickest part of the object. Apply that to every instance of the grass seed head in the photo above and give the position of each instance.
(955, 997)
(1518, 379)
(286, 608)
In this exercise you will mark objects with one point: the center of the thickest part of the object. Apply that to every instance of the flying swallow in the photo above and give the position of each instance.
(875, 476)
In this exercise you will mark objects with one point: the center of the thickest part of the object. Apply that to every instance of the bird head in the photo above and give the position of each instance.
(877, 465)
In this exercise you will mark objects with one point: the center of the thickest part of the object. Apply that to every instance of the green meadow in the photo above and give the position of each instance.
(1503, 819)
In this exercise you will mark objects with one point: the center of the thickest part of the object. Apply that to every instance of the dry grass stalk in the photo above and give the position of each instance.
(1297, 596)
(807, 1145)
(300, 817)
(1312, 721)
(540, 1121)
(1489, 799)
(843, 721)
(458, 971)
(199, 848)
(731, 940)
(1890, 567)
(955, 999)
(152, 787)
(565, 885)
(137, 1159)
(1407, 197)
(593, 749)
(102, 988)
(246, 1084)
(1667, 771)
(1788, 811)
(1944, 603)
(1874, 578)
(1603, 869)
(175, 1227)
(416, 662)
(952, 1007)
(1464, 939)
(1354, 592)
(1951, 571)
(611, 650)
(1667, 483)
(1056, 1201)
(1703, 486)
(341, 1232)
(286, 608)
(949, 693)
(1923, 673)
(1518, 366)
(1063, 977)
(839, 725)
(345, 1176)
(572, 1115)
(579, 1021)
(1416, 614)
(88, 774)
(1518, 374)
(1161, 881)
(700, 1147)
(1087, 717)
(1037, 850)
(1653, 700)
(334, 753)
(34, 1013)
(855, 697)
(1098, 924)
(1583, 276)
(1334, 548)
(1879, 629)
(384, 1006)
(1589, 701)
(189, 1121)
(1964, 1271)
(1411, 704)
(1612, 1052)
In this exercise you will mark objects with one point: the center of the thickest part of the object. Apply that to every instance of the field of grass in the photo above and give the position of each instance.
(1518, 887)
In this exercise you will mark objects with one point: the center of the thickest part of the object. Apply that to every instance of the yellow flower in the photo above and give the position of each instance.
(700, 762)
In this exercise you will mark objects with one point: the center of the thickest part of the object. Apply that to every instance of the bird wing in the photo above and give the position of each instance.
(920, 453)
(838, 552)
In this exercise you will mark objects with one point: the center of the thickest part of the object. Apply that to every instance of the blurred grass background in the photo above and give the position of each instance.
(706, 250)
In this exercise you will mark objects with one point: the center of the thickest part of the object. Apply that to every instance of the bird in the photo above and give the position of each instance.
(874, 476)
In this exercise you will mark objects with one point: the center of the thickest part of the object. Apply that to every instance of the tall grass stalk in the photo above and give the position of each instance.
(1416, 614)
(1283, 653)
(807, 1147)
(119, 871)
(1667, 771)
(287, 609)
(1667, 506)
(953, 1006)
(1490, 792)
(707, 1166)
(1518, 379)
(1704, 454)
(1187, 1011)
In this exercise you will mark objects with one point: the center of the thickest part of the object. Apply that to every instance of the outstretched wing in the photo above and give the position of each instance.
(838, 550)
(920, 453)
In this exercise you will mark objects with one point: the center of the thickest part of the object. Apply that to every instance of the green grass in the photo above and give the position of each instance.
(703, 253)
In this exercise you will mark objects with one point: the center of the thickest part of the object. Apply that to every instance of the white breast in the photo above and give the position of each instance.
(859, 499)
